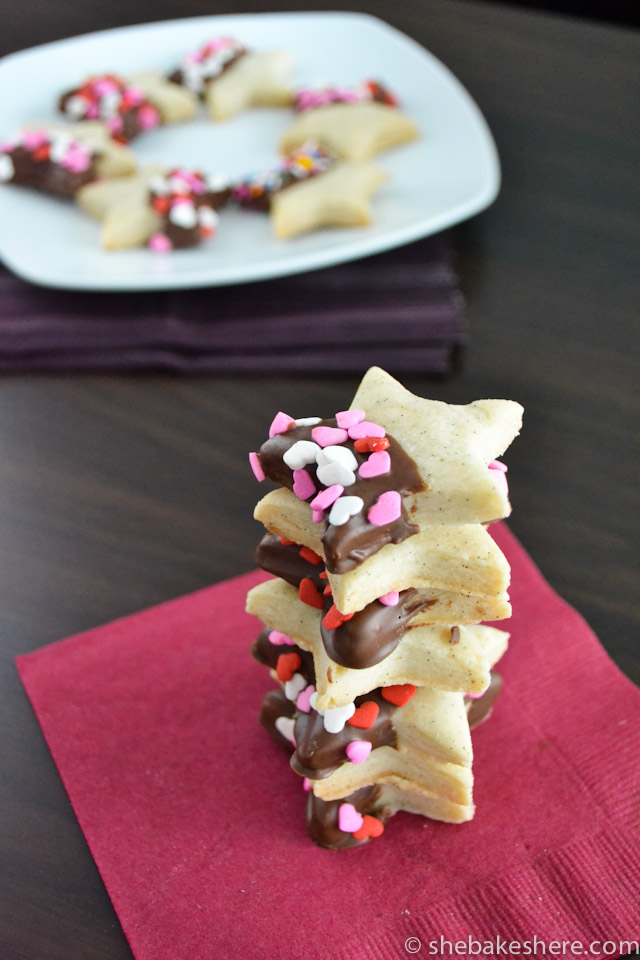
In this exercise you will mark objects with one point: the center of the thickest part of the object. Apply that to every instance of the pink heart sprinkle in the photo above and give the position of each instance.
(278, 638)
(307, 786)
(256, 466)
(328, 436)
(326, 497)
(303, 485)
(375, 465)
(349, 418)
(386, 509)
(390, 599)
(280, 424)
(317, 516)
(358, 750)
(349, 820)
(302, 703)
(159, 243)
(499, 469)
(366, 429)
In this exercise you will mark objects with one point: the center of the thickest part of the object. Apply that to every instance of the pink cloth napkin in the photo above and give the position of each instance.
(196, 821)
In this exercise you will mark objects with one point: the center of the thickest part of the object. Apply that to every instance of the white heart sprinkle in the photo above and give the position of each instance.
(300, 454)
(343, 508)
(158, 185)
(336, 717)
(285, 725)
(60, 144)
(313, 699)
(337, 454)
(307, 421)
(330, 473)
(183, 215)
(179, 184)
(109, 104)
(7, 169)
(294, 686)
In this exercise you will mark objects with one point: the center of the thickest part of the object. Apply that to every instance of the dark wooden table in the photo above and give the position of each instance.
(117, 492)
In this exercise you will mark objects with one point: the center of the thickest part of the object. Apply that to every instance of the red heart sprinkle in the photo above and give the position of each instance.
(310, 555)
(309, 593)
(399, 693)
(287, 665)
(334, 619)
(324, 575)
(365, 716)
(41, 153)
(287, 543)
(160, 204)
(371, 444)
(371, 827)
(327, 591)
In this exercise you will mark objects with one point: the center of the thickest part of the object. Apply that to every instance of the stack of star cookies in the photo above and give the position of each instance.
(383, 573)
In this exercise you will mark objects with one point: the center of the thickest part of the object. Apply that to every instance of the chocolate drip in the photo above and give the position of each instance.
(370, 635)
(48, 176)
(183, 237)
(275, 705)
(322, 818)
(267, 654)
(284, 560)
(131, 126)
(479, 709)
(346, 546)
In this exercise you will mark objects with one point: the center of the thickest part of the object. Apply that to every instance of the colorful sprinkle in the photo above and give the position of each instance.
(256, 466)
(358, 751)
(349, 820)
(287, 665)
(334, 619)
(294, 686)
(328, 436)
(335, 718)
(371, 444)
(399, 693)
(376, 465)
(309, 594)
(366, 429)
(390, 599)
(349, 418)
(326, 497)
(284, 726)
(386, 509)
(303, 485)
(303, 702)
(310, 556)
(159, 243)
(365, 715)
(344, 508)
(307, 786)
(300, 454)
(278, 638)
(280, 424)
(371, 827)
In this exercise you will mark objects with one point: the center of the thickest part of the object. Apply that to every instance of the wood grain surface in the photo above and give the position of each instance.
(118, 492)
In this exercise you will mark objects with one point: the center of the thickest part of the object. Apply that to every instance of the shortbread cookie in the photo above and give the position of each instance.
(354, 131)
(258, 190)
(366, 638)
(377, 473)
(61, 161)
(231, 78)
(123, 107)
(426, 654)
(462, 559)
(168, 210)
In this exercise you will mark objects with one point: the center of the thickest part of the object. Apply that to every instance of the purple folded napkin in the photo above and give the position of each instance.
(401, 308)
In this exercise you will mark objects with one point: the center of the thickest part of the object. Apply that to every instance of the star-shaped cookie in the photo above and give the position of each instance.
(175, 102)
(354, 131)
(424, 656)
(113, 159)
(256, 79)
(340, 197)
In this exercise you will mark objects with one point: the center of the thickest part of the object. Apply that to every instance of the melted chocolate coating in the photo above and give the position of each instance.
(479, 709)
(183, 237)
(370, 635)
(322, 818)
(47, 176)
(346, 546)
(319, 753)
(131, 125)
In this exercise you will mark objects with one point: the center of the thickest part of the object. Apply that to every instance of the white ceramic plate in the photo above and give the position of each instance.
(449, 174)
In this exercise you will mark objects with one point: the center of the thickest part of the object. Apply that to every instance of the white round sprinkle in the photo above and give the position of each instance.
(313, 699)
(344, 508)
(76, 107)
(216, 182)
(159, 185)
(300, 454)
(7, 169)
(208, 217)
(60, 144)
(109, 104)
